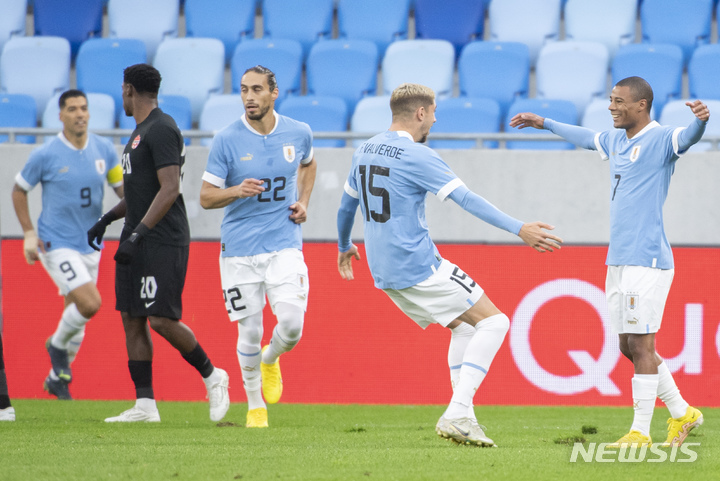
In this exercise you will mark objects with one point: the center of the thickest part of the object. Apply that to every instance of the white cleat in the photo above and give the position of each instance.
(136, 415)
(218, 396)
(7, 414)
(463, 431)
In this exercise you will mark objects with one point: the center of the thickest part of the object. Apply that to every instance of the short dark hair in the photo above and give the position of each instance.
(639, 89)
(271, 80)
(68, 94)
(145, 78)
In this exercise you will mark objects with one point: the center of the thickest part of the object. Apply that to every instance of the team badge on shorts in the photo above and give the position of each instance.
(289, 152)
(633, 300)
(100, 166)
(635, 153)
(136, 142)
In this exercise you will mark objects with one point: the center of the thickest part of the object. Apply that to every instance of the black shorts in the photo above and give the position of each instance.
(152, 284)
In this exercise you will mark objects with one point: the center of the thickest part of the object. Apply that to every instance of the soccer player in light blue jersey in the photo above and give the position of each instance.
(390, 177)
(72, 170)
(642, 156)
(261, 170)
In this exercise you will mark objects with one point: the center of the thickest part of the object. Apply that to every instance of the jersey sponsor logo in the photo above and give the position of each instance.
(635, 153)
(136, 142)
(64, 170)
(289, 152)
(100, 166)
(246, 157)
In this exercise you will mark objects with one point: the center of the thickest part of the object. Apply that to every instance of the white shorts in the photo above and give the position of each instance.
(282, 275)
(636, 297)
(439, 299)
(69, 269)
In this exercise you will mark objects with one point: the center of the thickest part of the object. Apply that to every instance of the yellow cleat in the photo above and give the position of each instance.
(679, 428)
(257, 418)
(272, 385)
(633, 439)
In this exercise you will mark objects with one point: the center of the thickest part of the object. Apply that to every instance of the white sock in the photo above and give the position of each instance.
(644, 390)
(70, 324)
(248, 353)
(287, 333)
(669, 393)
(73, 345)
(212, 378)
(481, 350)
(460, 337)
(146, 404)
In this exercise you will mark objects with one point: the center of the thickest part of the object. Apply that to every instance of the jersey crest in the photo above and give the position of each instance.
(289, 152)
(136, 142)
(100, 166)
(635, 153)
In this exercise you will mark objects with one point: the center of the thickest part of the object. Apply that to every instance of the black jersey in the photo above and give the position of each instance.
(155, 143)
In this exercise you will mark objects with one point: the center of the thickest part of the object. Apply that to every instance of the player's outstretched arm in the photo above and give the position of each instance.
(527, 119)
(533, 235)
(700, 110)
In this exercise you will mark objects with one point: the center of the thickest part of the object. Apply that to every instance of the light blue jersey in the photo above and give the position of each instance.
(73, 186)
(260, 224)
(640, 172)
(391, 175)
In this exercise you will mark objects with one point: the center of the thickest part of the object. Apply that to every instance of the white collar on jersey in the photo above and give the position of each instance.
(65, 141)
(403, 133)
(648, 127)
(244, 119)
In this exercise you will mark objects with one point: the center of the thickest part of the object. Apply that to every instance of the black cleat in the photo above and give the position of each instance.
(59, 361)
(57, 388)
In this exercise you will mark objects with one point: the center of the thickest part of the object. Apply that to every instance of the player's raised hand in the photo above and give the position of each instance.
(527, 119)
(533, 235)
(249, 188)
(345, 262)
(299, 212)
(700, 110)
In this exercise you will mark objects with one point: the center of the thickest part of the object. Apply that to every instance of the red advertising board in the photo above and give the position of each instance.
(357, 347)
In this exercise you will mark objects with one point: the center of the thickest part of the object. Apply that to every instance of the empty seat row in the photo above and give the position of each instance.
(533, 22)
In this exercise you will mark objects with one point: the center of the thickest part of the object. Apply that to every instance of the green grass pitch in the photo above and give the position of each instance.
(69, 440)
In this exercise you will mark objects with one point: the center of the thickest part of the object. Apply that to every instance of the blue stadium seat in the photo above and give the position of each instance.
(686, 24)
(559, 110)
(465, 115)
(12, 20)
(18, 110)
(226, 20)
(343, 68)
(306, 21)
(597, 116)
(458, 21)
(677, 114)
(191, 67)
(219, 112)
(100, 64)
(321, 113)
(426, 62)
(151, 22)
(532, 22)
(661, 65)
(496, 70)
(377, 20)
(372, 115)
(100, 106)
(37, 66)
(610, 22)
(575, 71)
(283, 57)
(75, 20)
(704, 72)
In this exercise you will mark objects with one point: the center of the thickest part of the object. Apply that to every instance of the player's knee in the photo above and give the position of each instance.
(249, 331)
(90, 307)
(291, 326)
(500, 323)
